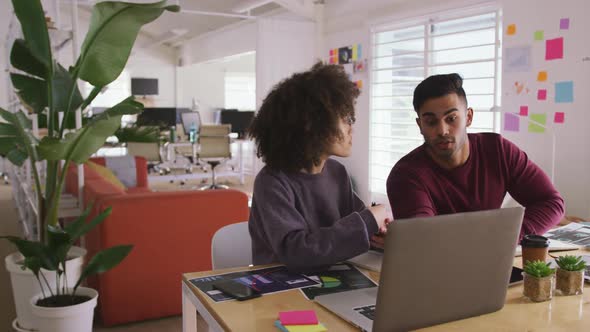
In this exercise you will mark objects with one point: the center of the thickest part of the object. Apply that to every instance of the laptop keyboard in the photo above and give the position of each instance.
(367, 311)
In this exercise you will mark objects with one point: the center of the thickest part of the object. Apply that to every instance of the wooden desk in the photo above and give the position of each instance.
(562, 313)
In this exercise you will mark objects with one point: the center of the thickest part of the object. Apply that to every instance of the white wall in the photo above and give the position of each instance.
(572, 155)
(205, 82)
(145, 65)
(358, 163)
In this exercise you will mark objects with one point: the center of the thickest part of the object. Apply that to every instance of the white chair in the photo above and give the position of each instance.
(231, 246)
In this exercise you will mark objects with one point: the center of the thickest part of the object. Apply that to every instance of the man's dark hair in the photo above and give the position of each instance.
(299, 118)
(437, 86)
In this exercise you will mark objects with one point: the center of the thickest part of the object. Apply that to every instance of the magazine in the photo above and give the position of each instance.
(574, 233)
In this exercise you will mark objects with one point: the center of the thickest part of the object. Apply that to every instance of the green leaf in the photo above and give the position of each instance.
(138, 134)
(33, 264)
(15, 137)
(23, 59)
(80, 145)
(80, 227)
(104, 261)
(32, 91)
(17, 157)
(113, 29)
(33, 249)
(32, 19)
(58, 243)
(63, 82)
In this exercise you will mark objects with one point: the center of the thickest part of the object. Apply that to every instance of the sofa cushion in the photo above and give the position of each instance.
(124, 169)
(106, 174)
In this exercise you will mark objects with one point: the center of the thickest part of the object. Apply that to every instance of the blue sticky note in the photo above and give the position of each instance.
(564, 92)
(280, 326)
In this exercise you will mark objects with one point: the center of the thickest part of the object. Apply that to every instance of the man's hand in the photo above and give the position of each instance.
(378, 241)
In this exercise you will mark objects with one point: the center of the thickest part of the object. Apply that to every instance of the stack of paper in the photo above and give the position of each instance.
(299, 321)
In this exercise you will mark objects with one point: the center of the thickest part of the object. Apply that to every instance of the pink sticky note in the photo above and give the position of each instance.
(524, 110)
(542, 94)
(301, 317)
(559, 117)
(554, 48)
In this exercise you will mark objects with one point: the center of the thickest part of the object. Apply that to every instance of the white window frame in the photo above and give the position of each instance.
(427, 21)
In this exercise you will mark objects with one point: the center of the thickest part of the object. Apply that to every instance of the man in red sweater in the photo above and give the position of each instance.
(458, 172)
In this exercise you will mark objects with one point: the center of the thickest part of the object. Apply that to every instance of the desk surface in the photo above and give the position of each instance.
(562, 313)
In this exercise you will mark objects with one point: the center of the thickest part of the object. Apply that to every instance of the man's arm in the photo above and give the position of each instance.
(531, 187)
(407, 196)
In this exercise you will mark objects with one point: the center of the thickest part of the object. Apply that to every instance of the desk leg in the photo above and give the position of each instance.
(194, 313)
(189, 314)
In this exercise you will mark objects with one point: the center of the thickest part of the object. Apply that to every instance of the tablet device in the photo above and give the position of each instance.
(235, 289)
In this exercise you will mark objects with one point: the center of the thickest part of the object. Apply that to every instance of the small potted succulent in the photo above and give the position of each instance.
(539, 279)
(570, 274)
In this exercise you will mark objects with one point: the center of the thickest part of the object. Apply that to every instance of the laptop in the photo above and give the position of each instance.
(435, 270)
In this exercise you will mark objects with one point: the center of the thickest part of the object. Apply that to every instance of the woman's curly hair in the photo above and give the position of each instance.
(299, 118)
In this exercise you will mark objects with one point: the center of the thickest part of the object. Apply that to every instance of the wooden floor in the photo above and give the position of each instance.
(9, 226)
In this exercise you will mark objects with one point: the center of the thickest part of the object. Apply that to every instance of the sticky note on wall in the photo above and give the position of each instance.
(564, 24)
(511, 29)
(564, 92)
(538, 122)
(559, 117)
(524, 110)
(511, 122)
(554, 49)
(542, 94)
(539, 35)
(542, 76)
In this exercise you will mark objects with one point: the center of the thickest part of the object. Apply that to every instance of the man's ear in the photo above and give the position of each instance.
(469, 116)
(419, 123)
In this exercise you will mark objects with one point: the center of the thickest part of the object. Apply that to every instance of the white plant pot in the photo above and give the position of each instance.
(75, 318)
(25, 285)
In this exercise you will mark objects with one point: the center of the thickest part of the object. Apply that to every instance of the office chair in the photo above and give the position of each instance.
(191, 121)
(214, 147)
(231, 246)
(151, 152)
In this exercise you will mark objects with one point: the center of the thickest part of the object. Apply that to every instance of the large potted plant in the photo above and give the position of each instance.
(47, 88)
(65, 307)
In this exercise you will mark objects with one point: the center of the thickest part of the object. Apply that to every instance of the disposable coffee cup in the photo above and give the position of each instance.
(534, 248)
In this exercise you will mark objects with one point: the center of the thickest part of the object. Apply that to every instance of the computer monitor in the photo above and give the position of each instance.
(239, 120)
(163, 117)
(144, 86)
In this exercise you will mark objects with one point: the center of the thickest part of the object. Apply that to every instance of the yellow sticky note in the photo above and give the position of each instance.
(306, 328)
(511, 29)
(542, 76)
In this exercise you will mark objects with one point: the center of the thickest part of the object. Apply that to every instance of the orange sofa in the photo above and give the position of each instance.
(171, 233)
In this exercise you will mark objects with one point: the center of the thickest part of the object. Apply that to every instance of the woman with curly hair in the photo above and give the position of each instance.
(305, 213)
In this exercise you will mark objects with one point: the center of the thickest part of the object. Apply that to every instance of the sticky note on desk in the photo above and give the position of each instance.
(300, 317)
(300, 328)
